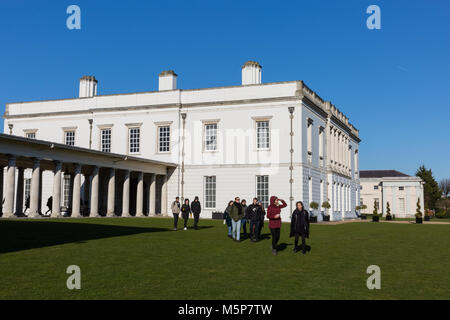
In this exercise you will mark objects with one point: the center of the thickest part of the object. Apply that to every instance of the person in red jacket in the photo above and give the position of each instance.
(274, 216)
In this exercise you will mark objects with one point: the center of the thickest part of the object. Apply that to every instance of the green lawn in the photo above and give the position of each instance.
(144, 259)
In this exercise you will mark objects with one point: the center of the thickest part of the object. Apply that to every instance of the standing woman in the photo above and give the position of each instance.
(227, 218)
(196, 209)
(274, 215)
(244, 219)
(185, 211)
(300, 226)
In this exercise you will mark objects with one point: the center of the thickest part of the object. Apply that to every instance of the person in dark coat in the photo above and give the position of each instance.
(27, 204)
(185, 211)
(49, 204)
(227, 218)
(244, 219)
(254, 215)
(274, 215)
(236, 214)
(300, 226)
(196, 209)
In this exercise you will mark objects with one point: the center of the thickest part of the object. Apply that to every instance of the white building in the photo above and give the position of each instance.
(389, 186)
(254, 139)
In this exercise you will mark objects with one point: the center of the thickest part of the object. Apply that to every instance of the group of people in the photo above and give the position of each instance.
(238, 214)
(186, 209)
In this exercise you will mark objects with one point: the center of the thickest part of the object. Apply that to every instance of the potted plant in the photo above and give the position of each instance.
(388, 212)
(419, 219)
(326, 205)
(375, 216)
(363, 215)
(314, 206)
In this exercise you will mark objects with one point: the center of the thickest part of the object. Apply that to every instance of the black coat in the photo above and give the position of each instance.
(300, 223)
(254, 213)
(185, 210)
(196, 207)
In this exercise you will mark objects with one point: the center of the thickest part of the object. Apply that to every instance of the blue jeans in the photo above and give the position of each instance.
(236, 231)
(244, 225)
(229, 230)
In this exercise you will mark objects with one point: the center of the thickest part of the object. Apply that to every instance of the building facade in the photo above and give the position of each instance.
(255, 139)
(401, 191)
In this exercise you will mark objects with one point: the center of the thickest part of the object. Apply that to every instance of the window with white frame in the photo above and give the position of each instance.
(105, 139)
(210, 192)
(31, 135)
(164, 139)
(27, 188)
(309, 127)
(69, 137)
(262, 134)
(134, 140)
(210, 136)
(262, 190)
(66, 191)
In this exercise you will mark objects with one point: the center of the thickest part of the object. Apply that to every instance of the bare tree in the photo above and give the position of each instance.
(444, 184)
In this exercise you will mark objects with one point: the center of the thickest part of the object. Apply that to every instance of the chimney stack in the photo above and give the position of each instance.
(251, 73)
(88, 86)
(167, 80)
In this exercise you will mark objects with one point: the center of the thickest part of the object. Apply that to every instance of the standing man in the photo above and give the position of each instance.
(236, 214)
(176, 207)
(274, 215)
(196, 209)
(244, 219)
(255, 215)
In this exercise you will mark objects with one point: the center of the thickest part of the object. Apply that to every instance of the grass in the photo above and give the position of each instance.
(144, 259)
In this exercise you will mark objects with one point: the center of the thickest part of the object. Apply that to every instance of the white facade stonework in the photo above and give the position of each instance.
(233, 134)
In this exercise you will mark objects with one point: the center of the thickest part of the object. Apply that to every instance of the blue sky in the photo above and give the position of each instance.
(392, 83)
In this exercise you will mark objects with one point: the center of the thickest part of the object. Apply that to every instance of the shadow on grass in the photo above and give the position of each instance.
(25, 235)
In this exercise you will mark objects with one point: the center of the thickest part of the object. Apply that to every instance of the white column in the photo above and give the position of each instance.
(19, 192)
(152, 196)
(94, 192)
(34, 190)
(140, 195)
(8, 210)
(164, 196)
(56, 197)
(1, 189)
(76, 192)
(111, 193)
(126, 195)
(331, 146)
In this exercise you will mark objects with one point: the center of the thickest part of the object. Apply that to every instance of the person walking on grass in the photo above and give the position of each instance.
(185, 211)
(236, 214)
(274, 215)
(227, 218)
(244, 220)
(176, 208)
(254, 215)
(300, 226)
(196, 209)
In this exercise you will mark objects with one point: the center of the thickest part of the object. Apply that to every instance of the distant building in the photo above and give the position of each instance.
(399, 189)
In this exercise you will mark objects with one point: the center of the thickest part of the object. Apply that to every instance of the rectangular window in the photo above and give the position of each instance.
(69, 138)
(211, 137)
(210, 192)
(401, 206)
(262, 135)
(27, 189)
(31, 135)
(375, 187)
(134, 140)
(164, 139)
(262, 190)
(401, 188)
(106, 140)
(377, 204)
(66, 191)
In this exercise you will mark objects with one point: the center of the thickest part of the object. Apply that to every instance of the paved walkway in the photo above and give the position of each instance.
(383, 221)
